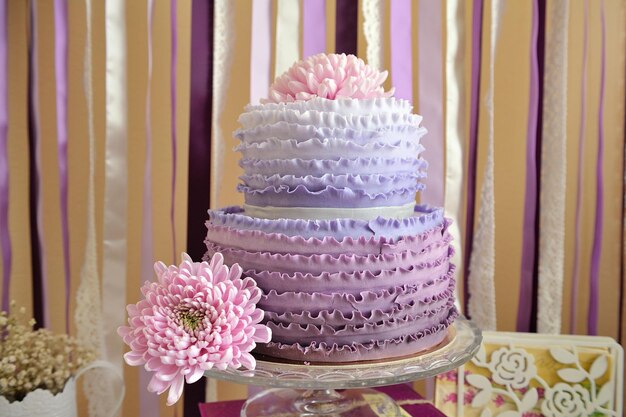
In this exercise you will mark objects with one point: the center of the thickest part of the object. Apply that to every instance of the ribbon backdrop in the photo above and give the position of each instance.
(92, 189)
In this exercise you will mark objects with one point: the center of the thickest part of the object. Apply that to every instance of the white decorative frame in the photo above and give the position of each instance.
(514, 388)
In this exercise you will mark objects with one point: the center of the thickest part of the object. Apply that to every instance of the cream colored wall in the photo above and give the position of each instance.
(511, 106)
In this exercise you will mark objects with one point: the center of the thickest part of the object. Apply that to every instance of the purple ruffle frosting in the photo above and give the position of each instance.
(257, 240)
(374, 350)
(339, 290)
(424, 219)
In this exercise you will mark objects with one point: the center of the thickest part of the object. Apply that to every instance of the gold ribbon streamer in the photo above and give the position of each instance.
(115, 181)
(287, 35)
(482, 302)
(455, 122)
(223, 40)
(553, 174)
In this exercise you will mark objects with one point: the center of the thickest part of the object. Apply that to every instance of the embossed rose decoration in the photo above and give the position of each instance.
(566, 400)
(512, 367)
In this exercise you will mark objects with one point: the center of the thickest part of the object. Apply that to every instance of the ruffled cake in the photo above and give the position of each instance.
(350, 267)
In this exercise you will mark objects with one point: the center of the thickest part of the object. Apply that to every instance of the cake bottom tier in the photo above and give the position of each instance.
(342, 290)
(409, 344)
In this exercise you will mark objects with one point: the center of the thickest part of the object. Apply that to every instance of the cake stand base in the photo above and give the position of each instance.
(285, 402)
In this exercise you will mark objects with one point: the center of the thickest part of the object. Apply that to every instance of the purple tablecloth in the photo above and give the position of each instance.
(404, 396)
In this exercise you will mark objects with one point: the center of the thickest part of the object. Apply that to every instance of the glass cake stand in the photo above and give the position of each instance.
(298, 389)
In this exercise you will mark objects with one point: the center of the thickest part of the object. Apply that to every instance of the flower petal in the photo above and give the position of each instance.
(176, 390)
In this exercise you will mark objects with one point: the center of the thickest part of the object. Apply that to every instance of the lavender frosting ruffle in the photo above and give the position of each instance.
(329, 119)
(257, 240)
(351, 333)
(435, 255)
(425, 218)
(327, 149)
(301, 133)
(369, 183)
(341, 105)
(354, 282)
(373, 350)
(364, 302)
(336, 319)
(338, 166)
(300, 196)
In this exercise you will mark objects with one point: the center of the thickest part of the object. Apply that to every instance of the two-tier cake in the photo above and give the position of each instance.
(350, 267)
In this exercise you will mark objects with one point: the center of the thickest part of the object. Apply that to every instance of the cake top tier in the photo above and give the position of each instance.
(330, 76)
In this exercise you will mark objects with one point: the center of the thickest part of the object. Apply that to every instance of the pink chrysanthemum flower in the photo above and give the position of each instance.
(197, 316)
(330, 76)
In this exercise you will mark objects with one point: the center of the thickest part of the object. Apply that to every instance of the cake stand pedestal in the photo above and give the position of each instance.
(300, 389)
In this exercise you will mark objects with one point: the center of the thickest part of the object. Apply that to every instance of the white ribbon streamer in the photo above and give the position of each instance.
(373, 31)
(88, 313)
(223, 40)
(115, 181)
(455, 122)
(553, 174)
(287, 35)
(482, 302)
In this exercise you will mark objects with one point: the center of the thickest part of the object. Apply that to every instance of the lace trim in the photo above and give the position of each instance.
(88, 314)
(372, 28)
(553, 175)
(482, 301)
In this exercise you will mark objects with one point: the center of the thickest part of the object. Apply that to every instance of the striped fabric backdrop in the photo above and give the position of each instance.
(115, 138)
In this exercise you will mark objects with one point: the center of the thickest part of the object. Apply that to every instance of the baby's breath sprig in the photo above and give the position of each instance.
(31, 359)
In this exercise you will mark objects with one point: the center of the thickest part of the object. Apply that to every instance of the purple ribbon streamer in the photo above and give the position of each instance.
(401, 49)
(35, 199)
(261, 50)
(346, 27)
(477, 23)
(596, 252)
(529, 238)
(579, 180)
(431, 98)
(60, 64)
(174, 64)
(5, 237)
(313, 27)
(199, 152)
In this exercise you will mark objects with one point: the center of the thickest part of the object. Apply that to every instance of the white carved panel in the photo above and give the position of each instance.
(531, 375)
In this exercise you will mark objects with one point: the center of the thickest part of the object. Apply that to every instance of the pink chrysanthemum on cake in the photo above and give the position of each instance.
(330, 76)
(197, 316)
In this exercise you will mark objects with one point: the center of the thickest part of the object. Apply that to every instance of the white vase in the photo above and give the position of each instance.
(42, 403)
